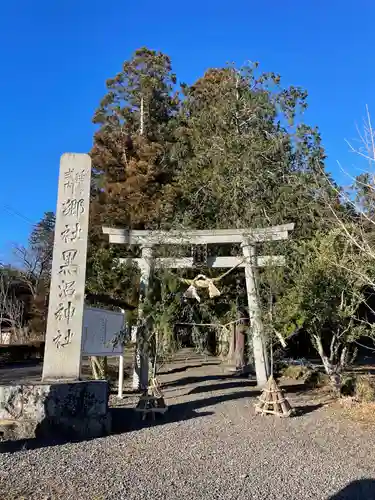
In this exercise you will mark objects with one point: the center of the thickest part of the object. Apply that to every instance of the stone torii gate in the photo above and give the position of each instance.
(248, 238)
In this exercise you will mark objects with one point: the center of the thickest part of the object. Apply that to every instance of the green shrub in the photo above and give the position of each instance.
(295, 372)
(315, 378)
(362, 387)
(348, 385)
(310, 377)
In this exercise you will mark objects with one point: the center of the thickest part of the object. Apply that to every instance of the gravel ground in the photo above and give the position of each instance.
(210, 445)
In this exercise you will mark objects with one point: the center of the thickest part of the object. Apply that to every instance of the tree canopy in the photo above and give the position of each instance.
(230, 150)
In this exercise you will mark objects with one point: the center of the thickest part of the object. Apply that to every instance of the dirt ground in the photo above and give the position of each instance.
(209, 445)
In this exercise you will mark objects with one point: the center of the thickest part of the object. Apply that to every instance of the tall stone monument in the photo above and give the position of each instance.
(62, 359)
(62, 405)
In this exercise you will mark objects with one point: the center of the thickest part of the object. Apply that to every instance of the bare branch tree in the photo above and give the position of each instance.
(353, 221)
(36, 259)
(11, 312)
(359, 198)
(34, 267)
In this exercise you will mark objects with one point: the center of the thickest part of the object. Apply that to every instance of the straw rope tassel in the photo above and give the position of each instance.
(202, 281)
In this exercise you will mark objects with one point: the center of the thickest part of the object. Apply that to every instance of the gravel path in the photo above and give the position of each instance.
(210, 445)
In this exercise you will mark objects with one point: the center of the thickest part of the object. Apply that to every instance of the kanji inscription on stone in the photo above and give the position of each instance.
(68, 266)
(71, 233)
(73, 207)
(63, 339)
(62, 359)
(66, 289)
(74, 181)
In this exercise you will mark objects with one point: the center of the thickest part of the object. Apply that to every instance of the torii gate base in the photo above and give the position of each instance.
(248, 239)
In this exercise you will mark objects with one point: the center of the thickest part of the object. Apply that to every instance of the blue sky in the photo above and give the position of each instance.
(56, 56)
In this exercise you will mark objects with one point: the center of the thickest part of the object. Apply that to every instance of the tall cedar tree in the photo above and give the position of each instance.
(131, 148)
(245, 158)
(131, 163)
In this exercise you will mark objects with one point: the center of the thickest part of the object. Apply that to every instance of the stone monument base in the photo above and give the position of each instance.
(55, 410)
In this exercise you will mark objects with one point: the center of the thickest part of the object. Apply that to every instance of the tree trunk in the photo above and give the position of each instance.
(333, 370)
(232, 344)
(142, 117)
(240, 346)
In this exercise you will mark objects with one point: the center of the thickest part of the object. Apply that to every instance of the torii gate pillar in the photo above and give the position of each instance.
(262, 368)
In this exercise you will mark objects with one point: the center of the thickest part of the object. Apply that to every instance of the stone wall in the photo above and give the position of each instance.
(66, 410)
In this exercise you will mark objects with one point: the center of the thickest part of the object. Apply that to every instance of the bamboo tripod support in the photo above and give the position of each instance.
(272, 401)
(151, 401)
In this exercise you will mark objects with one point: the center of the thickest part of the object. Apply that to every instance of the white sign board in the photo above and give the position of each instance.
(99, 328)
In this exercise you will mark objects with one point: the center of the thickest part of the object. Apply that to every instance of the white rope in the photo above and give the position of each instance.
(216, 325)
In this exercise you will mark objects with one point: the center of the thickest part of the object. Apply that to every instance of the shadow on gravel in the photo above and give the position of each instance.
(195, 380)
(206, 378)
(32, 444)
(12, 373)
(188, 367)
(123, 420)
(235, 382)
(363, 489)
(127, 420)
(299, 411)
(182, 408)
(232, 384)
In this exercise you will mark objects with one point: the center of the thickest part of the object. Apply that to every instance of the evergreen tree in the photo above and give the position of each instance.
(131, 166)
(131, 148)
(233, 153)
(245, 158)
